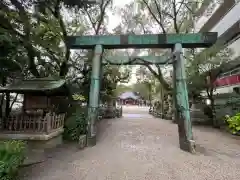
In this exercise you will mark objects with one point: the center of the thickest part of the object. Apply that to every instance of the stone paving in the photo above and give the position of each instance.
(143, 148)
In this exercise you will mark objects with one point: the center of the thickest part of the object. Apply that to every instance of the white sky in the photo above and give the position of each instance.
(114, 21)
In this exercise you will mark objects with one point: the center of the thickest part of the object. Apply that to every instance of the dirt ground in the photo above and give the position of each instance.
(140, 147)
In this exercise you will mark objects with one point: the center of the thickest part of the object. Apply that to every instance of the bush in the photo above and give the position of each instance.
(234, 123)
(110, 112)
(75, 124)
(119, 112)
(12, 155)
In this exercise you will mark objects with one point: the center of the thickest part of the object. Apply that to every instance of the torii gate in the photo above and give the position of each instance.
(172, 41)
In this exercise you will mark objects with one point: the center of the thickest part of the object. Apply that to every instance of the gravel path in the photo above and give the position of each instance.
(144, 148)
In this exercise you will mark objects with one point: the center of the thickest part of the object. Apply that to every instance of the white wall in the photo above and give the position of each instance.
(235, 46)
(222, 90)
(228, 20)
(225, 23)
(210, 10)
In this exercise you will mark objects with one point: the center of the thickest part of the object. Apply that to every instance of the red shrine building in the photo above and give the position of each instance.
(129, 98)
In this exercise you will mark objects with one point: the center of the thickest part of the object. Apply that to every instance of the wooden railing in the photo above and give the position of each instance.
(35, 122)
(55, 121)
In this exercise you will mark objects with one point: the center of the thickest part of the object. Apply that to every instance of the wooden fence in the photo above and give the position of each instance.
(33, 123)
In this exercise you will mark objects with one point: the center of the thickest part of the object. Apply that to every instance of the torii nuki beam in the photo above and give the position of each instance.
(137, 60)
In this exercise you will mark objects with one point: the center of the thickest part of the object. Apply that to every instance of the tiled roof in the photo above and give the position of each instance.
(33, 85)
(127, 95)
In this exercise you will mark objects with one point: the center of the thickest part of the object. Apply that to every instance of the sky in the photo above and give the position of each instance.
(113, 22)
(114, 19)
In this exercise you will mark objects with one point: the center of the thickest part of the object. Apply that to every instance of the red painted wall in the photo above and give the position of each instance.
(229, 80)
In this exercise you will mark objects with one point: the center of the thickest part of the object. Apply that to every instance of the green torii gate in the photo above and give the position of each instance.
(173, 41)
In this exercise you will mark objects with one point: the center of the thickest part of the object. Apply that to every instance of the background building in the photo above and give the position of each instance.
(224, 17)
(129, 98)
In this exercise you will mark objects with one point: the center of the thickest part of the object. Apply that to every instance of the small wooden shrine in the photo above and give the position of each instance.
(42, 116)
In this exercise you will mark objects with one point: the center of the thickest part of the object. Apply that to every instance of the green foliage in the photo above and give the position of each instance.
(12, 155)
(210, 62)
(143, 88)
(111, 77)
(234, 123)
(119, 112)
(78, 97)
(75, 124)
(110, 112)
(121, 88)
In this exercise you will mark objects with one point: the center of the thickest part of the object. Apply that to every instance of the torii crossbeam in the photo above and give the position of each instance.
(142, 41)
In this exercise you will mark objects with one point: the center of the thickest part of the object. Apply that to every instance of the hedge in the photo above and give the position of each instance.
(12, 155)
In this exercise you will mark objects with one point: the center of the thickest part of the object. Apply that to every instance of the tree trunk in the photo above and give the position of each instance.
(213, 116)
(7, 108)
(14, 100)
(150, 95)
(4, 82)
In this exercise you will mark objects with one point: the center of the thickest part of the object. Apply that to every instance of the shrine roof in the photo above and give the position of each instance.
(34, 85)
(127, 95)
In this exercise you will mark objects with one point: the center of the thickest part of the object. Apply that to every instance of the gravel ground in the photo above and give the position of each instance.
(143, 148)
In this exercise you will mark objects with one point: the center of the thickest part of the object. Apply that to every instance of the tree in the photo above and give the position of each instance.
(33, 34)
(121, 88)
(159, 17)
(112, 75)
(147, 80)
(111, 78)
(33, 38)
(203, 70)
(11, 65)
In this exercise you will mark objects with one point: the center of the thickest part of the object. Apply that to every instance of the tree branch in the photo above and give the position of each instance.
(181, 4)
(27, 38)
(175, 16)
(97, 25)
(154, 16)
(103, 11)
(159, 76)
(55, 10)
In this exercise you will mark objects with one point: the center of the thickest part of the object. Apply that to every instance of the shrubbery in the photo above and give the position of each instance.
(110, 112)
(12, 155)
(76, 120)
(75, 124)
(119, 112)
(234, 123)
